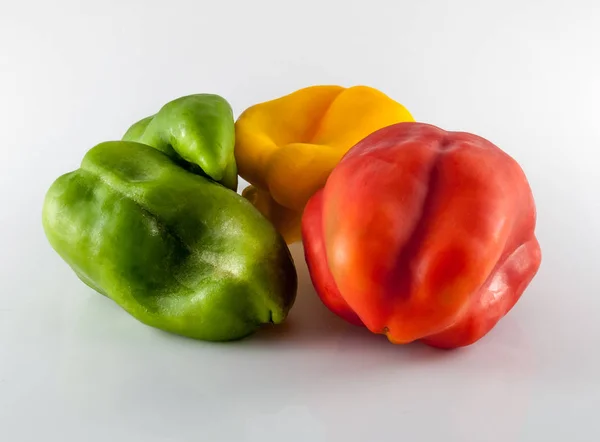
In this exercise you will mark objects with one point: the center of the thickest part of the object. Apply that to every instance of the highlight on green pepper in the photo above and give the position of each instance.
(152, 223)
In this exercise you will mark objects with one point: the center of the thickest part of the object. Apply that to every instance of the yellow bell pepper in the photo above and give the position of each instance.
(287, 147)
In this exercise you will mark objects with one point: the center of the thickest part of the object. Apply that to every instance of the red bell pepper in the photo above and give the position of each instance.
(423, 234)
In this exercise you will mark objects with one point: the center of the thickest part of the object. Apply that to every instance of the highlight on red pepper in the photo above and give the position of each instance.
(423, 234)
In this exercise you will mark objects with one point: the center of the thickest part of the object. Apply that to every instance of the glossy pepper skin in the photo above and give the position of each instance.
(287, 147)
(177, 251)
(196, 131)
(423, 234)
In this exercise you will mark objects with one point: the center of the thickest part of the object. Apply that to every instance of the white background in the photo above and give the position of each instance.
(74, 367)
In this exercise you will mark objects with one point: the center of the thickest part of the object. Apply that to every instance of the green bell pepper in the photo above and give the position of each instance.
(175, 249)
(196, 131)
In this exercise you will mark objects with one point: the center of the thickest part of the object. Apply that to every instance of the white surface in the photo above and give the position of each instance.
(73, 367)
